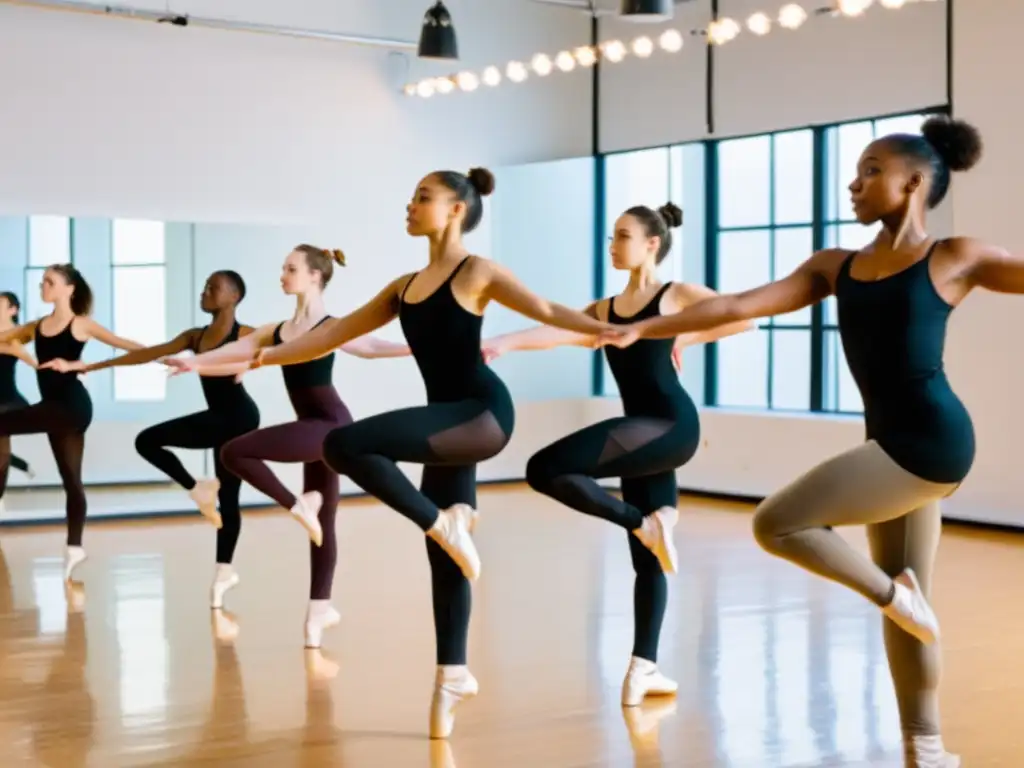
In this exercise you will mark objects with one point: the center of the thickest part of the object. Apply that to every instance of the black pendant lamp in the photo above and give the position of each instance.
(437, 40)
(647, 10)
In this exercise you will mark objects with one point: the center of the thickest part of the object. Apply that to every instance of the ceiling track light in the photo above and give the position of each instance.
(437, 38)
(651, 11)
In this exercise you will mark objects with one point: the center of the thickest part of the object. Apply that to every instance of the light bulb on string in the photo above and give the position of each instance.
(759, 24)
(586, 56)
(409, 89)
(671, 41)
(852, 7)
(468, 81)
(723, 31)
(792, 16)
(425, 89)
(492, 76)
(444, 85)
(614, 51)
(565, 61)
(541, 64)
(516, 71)
(643, 47)
(893, 4)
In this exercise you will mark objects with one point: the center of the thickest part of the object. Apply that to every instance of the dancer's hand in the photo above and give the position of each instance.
(677, 355)
(63, 366)
(619, 336)
(492, 350)
(180, 365)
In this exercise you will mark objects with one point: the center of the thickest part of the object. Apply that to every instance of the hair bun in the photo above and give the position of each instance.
(338, 256)
(482, 181)
(957, 142)
(672, 215)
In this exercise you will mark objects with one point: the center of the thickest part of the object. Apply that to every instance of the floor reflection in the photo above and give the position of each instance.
(775, 668)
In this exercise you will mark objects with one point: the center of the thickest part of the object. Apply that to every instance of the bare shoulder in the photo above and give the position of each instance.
(824, 265)
(970, 250)
(598, 310)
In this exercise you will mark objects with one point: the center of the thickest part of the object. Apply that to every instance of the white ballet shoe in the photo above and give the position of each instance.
(927, 752)
(307, 511)
(451, 531)
(454, 684)
(643, 679)
(73, 557)
(655, 533)
(910, 609)
(225, 579)
(320, 616)
(204, 494)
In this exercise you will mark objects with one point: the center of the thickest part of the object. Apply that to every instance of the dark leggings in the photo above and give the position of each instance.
(319, 410)
(65, 428)
(8, 459)
(201, 431)
(449, 439)
(645, 453)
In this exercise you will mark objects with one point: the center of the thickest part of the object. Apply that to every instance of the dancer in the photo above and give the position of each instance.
(468, 417)
(65, 411)
(894, 300)
(306, 272)
(10, 397)
(230, 412)
(659, 432)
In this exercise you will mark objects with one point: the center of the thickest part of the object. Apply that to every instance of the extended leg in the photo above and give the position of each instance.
(912, 541)
(861, 486)
(320, 480)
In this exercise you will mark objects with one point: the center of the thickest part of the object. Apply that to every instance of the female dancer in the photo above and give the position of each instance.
(306, 272)
(10, 397)
(230, 412)
(659, 432)
(469, 415)
(894, 300)
(65, 411)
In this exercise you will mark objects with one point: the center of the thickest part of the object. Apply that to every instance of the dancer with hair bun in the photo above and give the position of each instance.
(894, 299)
(658, 433)
(64, 411)
(468, 417)
(318, 409)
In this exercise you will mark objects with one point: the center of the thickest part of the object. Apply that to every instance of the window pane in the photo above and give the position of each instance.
(851, 139)
(841, 393)
(743, 370)
(140, 314)
(792, 248)
(744, 260)
(49, 240)
(138, 242)
(744, 182)
(791, 370)
(32, 304)
(899, 124)
(794, 177)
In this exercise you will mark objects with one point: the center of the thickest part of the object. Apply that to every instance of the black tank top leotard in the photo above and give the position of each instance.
(648, 382)
(312, 373)
(63, 389)
(223, 393)
(444, 339)
(9, 394)
(894, 332)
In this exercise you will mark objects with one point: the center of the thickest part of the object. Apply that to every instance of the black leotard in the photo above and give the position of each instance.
(893, 332)
(8, 384)
(312, 373)
(66, 389)
(224, 393)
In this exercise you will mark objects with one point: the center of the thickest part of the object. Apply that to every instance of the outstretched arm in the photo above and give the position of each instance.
(990, 267)
(333, 333)
(250, 341)
(370, 347)
(98, 332)
(807, 285)
(22, 334)
(14, 349)
(179, 343)
(539, 337)
(506, 289)
(687, 295)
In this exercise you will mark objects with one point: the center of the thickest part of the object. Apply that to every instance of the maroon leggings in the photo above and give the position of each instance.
(319, 410)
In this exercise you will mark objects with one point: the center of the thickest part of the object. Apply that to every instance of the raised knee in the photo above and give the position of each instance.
(338, 448)
(767, 531)
(229, 453)
(144, 443)
(538, 473)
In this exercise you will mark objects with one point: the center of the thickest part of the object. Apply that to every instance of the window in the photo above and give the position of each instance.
(843, 145)
(49, 242)
(765, 228)
(138, 256)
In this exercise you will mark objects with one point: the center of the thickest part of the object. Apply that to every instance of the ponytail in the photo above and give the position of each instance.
(81, 297)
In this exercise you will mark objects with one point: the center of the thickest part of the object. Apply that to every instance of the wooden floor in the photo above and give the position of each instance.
(776, 668)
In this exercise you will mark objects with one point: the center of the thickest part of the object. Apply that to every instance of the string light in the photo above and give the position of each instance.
(790, 16)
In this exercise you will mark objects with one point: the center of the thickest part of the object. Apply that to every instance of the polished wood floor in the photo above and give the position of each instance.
(776, 668)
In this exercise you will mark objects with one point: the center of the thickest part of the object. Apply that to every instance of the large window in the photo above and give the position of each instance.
(767, 202)
(49, 242)
(765, 226)
(138, 259)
